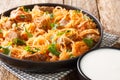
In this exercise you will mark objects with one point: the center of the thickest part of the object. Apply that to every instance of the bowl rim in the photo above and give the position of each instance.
(64, 6)
(81, 73)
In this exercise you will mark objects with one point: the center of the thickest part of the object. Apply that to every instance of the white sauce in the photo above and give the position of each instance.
(102, 64)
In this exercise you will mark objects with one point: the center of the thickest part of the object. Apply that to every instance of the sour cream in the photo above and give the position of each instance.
(101, 64)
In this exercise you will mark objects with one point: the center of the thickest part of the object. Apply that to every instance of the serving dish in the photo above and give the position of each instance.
(48, 66)
(101, 63)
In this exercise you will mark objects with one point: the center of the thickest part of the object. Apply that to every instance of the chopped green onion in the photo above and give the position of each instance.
(86, 17)
(60, 33)
(71, 56)
(18, 41)
(34, 50)
(51, 16)
(27, 48)
(92, 20)
(88, 41)
(37, 49)
(68, 50)
(6, 50)
(63, 32)
(23, 25)
(9, 43)
(28, 33)
(54, 25)
(52, 48)
(0, 31)
(67, 31)
(22, 16)
(26, 9)
(46, 12)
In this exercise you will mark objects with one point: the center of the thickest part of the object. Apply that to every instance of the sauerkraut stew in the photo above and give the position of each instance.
(47, 33)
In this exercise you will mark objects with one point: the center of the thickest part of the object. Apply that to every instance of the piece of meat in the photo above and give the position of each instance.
(1, 35)
(35, 57)
(42, 22)
(65, 42)
(8, 24)
(24, 36)
(44, 8)
(93, 36)
(73, 36)
(63, 22)
(19, 15)
(10, 35)
(88, 31)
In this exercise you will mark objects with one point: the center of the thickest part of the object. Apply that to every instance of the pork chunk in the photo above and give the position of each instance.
(44, 8)
(10, 35)
(19, 15)
(35, 57)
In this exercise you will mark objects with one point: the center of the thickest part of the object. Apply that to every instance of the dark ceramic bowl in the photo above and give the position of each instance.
(48, 66)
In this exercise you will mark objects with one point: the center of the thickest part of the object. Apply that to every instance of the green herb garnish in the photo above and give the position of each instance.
(60, 33)
(34, 50)
(46, 12)
(68, 50)
(52, 48)
(9, 43)
(28, 33)
(85, 17)
(67, 31)
(28, 49)
(6, 50)
(63, 32)
(37, 49)
(88, 41)
(54, 25)
(71, 56)
(23, 25)
(51, 16)
(26, 9)
(22, 16)
(0, 31)
(18, 41)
